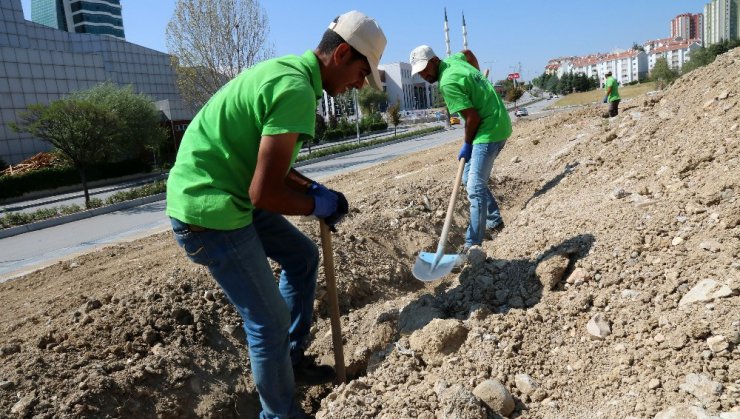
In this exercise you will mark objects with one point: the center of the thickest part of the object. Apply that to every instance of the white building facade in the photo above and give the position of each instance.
(676, 54)
(411, 92)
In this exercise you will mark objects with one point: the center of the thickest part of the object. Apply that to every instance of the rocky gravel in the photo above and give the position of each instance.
(613, 291)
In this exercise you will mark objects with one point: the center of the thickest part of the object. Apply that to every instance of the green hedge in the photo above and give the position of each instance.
(51, 178)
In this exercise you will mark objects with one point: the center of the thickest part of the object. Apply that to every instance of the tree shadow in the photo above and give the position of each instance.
(495, 286)
(569, 168)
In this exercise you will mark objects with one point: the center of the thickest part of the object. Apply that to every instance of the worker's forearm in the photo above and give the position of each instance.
(296, 181)
(471, 129)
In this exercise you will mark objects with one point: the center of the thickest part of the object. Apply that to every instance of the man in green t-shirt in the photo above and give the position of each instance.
(487, 126)
(233, 181)
(612, 95)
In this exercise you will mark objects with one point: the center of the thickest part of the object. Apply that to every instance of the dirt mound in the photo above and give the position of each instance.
(612, 292)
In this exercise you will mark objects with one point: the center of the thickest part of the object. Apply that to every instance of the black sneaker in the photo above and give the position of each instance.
(307, 373)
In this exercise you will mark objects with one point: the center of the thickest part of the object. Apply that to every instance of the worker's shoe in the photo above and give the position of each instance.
(492, 232)
(307, 373)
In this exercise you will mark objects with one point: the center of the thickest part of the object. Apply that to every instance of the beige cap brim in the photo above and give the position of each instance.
(419, 66)
(373, 79)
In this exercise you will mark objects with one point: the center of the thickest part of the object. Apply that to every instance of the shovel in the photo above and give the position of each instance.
(331, 291)
(432, 266)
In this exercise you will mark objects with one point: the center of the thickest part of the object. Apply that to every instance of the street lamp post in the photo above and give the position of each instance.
(357, 115)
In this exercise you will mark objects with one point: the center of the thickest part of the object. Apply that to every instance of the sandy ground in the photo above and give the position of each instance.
(613, 291)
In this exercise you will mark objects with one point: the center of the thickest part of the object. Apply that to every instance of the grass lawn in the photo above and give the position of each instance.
(596, 96)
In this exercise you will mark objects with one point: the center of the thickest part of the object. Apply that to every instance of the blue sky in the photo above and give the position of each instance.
(503, 35)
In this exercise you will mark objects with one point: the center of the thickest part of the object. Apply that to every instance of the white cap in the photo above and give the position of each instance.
(364, 34)
(420, 57)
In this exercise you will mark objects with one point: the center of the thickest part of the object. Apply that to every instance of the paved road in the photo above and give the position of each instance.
(27, 252)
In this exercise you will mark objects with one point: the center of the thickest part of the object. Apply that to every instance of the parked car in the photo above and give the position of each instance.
(454, 119)
(521, 112)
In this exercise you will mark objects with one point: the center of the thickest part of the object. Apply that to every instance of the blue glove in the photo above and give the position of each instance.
(465, 152)
(606, 99)
(325, 200)
(340, 213)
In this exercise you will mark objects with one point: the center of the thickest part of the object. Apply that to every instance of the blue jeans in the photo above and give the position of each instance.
(484, 211)
(277, 318)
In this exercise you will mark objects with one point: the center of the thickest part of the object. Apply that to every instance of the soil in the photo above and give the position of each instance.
(613, 291)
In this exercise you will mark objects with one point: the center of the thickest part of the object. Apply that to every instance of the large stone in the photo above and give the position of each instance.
(438, 339)
(551, 270)
(525, 383)
(494, 395)
(702, 387)
(683, 412)
(705, 291)
(599, 327)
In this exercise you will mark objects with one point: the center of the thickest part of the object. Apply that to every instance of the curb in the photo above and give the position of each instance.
(78, 187)
(356, 150)
(38, 225)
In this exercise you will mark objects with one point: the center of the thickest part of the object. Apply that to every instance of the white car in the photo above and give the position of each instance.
(521, 112)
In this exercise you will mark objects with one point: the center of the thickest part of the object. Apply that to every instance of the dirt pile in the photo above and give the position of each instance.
(614, 290)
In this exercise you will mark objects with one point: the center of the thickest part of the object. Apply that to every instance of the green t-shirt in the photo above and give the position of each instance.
(614, 95)
(209, 183)
(464, 87)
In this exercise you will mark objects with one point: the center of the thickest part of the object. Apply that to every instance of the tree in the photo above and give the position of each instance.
(81, 130)
(371, 99)
(212, 41)
(139, 118)
(662, 74)
(319, 131)
(394, 115)
(512, 95)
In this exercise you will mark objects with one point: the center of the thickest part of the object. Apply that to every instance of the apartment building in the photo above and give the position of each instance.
(688, 26)
(39, 64)
(100, 17)
(676, 53)
(721, 21)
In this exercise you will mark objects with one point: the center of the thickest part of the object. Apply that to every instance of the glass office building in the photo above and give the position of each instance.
(100, 17)
(39, 64)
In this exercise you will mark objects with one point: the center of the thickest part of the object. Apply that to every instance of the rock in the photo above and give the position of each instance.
(653, 384)
(705, 291)
(494, 395)
(525, 383)
(683, 412)
(516, 159)
(476, 256)
(619, 193)
(438, 339)
(209, 295)
(457, 402)
(718, 343)
(598, 327)
(701, 387)
(630, 294)
(578, 276)
(551, 270)
(676, 241)
(9, 349)
(23, 406)
(710, 245)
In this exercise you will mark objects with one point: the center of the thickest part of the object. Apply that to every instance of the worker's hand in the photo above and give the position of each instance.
(338, 215)
(325, 200)
(465, 152)
(606, 99)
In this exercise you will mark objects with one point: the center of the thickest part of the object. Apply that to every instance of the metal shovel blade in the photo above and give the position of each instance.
(431, 266)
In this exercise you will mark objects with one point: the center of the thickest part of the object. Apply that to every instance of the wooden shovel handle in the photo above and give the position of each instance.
(331, 291)
(451, 206)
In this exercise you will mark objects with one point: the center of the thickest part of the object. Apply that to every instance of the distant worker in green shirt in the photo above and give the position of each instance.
(487, 126)
(233, 181)
(612, 95)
